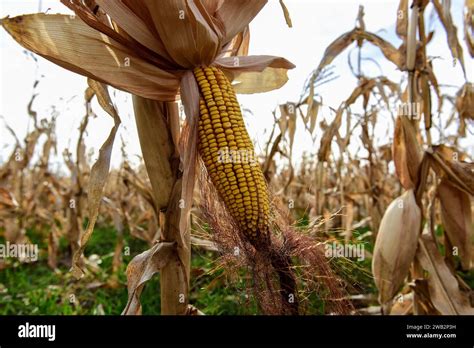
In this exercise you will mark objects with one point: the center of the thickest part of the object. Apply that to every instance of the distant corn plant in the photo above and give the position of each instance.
(436, 180)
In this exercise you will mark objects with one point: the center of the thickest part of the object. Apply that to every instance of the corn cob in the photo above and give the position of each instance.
(238, 180)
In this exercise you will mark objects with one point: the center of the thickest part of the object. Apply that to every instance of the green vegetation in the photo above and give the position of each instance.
(33, 288)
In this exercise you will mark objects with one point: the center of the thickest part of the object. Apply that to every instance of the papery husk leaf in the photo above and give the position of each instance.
(96, 18)
(443, 285)
(134, 26)
(260, 82)
(456, 215)
(99, 173)
(240, 44)
(255, 74)
(192, 41)
(72, 44)
(188, 150)
(236, 15)
(395, 246)
(407, 154)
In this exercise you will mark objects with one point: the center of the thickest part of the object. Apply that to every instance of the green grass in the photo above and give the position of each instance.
(35, 289)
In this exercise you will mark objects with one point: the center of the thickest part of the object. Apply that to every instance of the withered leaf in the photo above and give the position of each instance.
(443, 286)
(457, 219)
(286, 13)
(141, 269)
(99, 173)
(451, 32)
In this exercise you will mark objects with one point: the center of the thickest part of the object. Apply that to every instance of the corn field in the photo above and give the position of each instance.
(357, 204)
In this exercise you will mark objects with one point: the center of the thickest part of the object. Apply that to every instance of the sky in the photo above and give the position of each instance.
(316, 23)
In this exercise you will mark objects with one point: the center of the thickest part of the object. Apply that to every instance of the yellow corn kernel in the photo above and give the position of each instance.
(241, 185)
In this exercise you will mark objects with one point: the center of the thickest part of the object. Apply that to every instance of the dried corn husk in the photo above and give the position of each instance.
(395, 246)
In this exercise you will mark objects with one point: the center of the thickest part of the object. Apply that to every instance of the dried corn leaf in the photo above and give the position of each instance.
(426, 97)
(343, 41)
(326, 139)
(447, 162)
(333, 50)
(290, 107)
(99, 173)
(141, 269)
(283, 119)
(312, 115)
(286, 13)
(388, 50)
(443, 286)
(403, 305)
(469, 26)
(72, 44)
(7, 201)
(402, 19)
(348, 220)
(457, 220)
(444, 15)
(465, 101)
